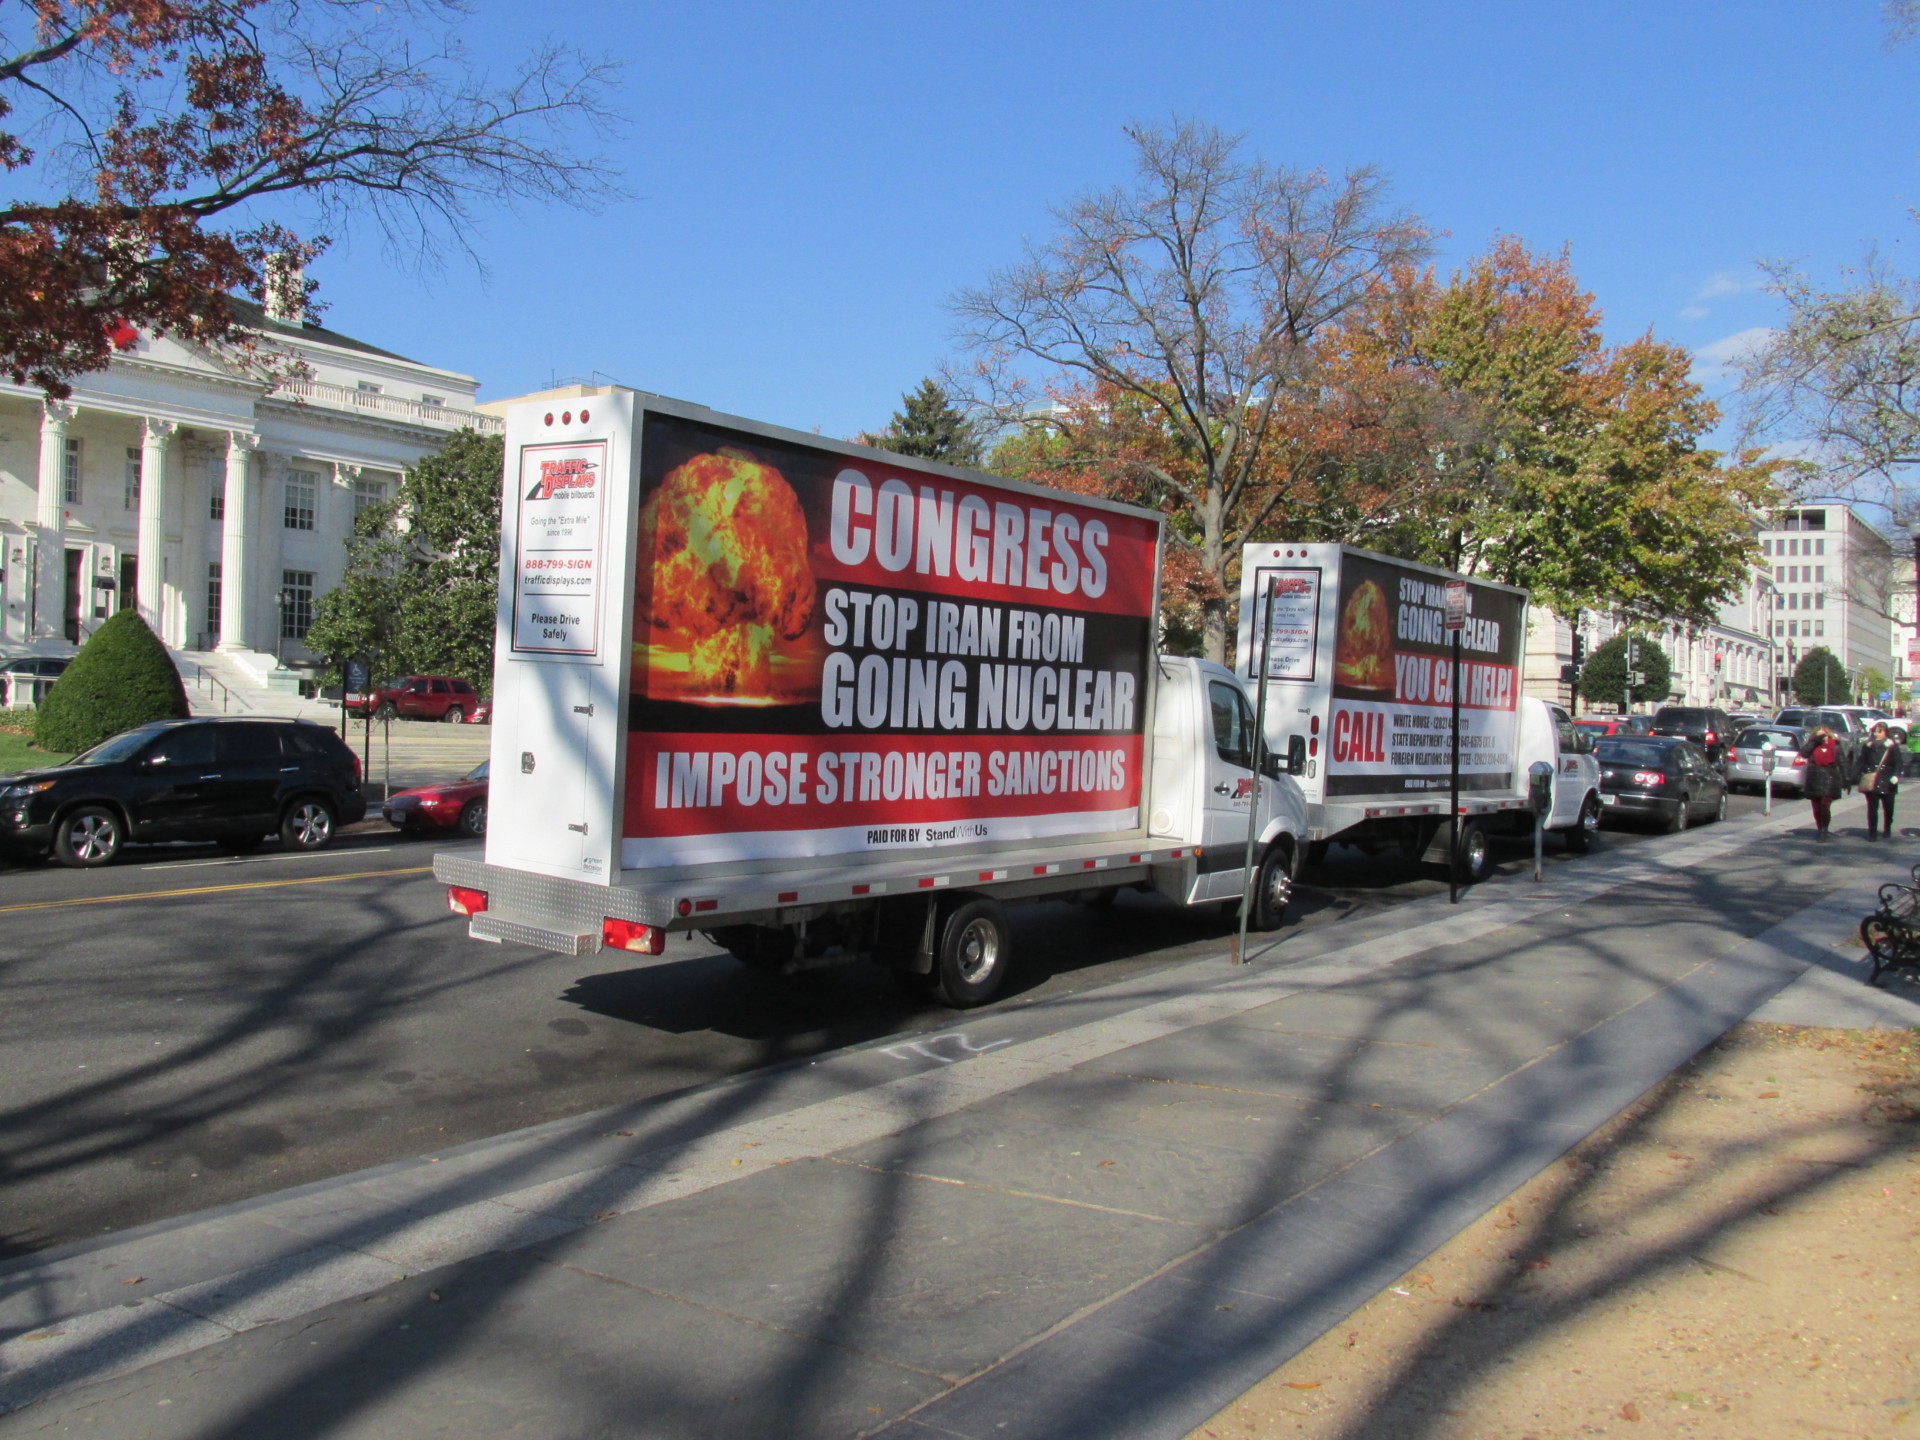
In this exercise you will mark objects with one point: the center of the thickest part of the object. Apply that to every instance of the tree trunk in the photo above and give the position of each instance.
(1213, 562)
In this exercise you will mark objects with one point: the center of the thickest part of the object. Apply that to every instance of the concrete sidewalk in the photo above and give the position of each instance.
(1104, 1215)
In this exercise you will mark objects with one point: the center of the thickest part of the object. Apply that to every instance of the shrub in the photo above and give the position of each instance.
(121, 678)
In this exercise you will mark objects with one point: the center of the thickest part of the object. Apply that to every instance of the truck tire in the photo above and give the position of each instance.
(1474, 854)
(1272, 888)
(976, 950)
(1580, 837)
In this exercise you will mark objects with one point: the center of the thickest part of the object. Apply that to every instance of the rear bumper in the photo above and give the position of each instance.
(1631, 805)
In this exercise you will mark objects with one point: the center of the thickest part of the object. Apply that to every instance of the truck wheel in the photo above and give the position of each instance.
(975, 952)
(1475, 854)
(1272, 888)
(1580, 837)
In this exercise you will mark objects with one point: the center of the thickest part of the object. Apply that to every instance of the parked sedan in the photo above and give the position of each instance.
(1745, 770)
(1658, 778)
(460, 805)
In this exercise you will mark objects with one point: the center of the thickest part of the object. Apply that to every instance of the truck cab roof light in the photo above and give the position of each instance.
(463, 901)
(632, 935)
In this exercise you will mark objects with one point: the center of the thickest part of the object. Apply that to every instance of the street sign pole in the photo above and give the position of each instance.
(1248, 869)
(1456, 619)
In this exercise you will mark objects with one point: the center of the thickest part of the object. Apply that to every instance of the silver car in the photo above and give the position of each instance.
(1744, 768)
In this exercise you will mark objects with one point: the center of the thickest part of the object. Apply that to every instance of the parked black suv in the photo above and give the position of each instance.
(231, 781)
(1707, 726)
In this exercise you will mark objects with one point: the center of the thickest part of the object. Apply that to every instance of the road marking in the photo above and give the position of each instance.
(208, 889)
(259, 859)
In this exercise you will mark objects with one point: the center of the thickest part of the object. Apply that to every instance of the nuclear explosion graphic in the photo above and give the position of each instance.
(729, 578)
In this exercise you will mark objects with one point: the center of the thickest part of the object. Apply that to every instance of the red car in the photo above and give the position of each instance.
(418, 697)
(459, 805)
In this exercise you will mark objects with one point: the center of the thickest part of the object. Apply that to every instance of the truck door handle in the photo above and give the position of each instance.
(581, 828)
(1223, 790)
(583, 710)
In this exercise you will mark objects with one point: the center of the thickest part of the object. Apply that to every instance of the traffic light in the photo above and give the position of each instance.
(1579, 649)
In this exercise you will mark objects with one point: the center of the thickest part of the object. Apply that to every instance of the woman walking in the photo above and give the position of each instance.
(1879, 780)
(1823, 777)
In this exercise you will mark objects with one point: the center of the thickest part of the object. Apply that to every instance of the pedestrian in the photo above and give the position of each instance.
(1823, 777)
(1880, 779)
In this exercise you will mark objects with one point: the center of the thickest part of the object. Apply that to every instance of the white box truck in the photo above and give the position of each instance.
(1359, 677)
(820, 702)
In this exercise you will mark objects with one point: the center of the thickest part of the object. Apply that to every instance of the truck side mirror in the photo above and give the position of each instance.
(1296, 755)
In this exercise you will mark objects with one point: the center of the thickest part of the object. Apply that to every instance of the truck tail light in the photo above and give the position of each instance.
(462, 901)
(632, 935)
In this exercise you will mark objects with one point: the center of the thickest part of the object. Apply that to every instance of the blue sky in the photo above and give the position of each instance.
(812, 182)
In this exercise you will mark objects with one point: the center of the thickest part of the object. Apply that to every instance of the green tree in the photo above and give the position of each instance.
(121, 678)
(1820, 679)
(929, 427)
(423, 573)
(1604, 678)
(1872, 684)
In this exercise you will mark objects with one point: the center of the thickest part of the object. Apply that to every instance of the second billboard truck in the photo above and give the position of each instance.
(821, 702)
(1361, 676)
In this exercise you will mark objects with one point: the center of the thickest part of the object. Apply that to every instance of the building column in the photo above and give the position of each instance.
(153, 523)
(50, 569)
(234, 549)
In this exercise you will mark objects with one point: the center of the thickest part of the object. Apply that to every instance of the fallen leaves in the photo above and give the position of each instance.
(1629, 1411)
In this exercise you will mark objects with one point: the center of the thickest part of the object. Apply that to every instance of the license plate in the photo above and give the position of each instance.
(1608, 799)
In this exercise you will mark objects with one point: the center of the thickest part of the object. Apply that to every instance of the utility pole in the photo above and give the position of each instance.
(1626, 693)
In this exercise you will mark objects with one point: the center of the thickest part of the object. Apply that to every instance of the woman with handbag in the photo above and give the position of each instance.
(1823, 777)
(1880, 780)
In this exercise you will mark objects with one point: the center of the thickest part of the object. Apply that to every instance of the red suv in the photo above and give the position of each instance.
(419, 697)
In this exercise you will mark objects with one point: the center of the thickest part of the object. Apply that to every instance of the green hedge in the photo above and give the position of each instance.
(121, 678)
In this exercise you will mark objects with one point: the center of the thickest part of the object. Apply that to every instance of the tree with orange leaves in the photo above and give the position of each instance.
(140, 128)
(1526, 450)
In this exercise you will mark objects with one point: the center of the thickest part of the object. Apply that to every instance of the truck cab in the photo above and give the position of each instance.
(1202, 785)
(1547, 734)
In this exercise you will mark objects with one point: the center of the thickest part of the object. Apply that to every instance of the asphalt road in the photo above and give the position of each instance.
(185, 1029)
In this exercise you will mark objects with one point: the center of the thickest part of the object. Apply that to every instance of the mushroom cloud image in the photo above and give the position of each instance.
(729, 576)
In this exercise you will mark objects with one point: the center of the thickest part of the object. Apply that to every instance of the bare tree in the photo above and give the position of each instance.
(1842, 377)
(1193, 296)
(136, 130)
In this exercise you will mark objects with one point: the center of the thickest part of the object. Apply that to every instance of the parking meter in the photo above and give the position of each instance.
(1769, 757)
(1540, 802)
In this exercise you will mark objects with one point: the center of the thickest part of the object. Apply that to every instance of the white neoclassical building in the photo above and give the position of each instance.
(174, 481)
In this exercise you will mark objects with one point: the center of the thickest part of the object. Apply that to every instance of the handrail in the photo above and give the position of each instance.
(200, 675)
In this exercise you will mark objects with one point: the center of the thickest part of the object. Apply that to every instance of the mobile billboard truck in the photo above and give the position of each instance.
(821, 703)
(1360, 686)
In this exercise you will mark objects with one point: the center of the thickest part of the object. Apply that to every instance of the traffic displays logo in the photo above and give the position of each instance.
(563, 477)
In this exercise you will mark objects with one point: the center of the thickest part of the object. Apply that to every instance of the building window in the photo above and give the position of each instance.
(1820, 574)
(1793, 629)
(296, 604)
(70, 471)
(1819, 547)
(1820, 601)
(130, 490)
(213, 598)
(434, 400)
(217, 494)
(367, 387)
(1820, 629)
(301, 485)
(366, 493)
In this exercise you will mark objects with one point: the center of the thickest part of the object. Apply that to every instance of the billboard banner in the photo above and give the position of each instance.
(1391, 715)
(834, 653)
